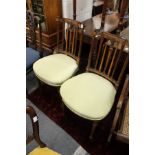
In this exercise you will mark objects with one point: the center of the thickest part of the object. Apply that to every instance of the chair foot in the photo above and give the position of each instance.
(109, 138)
(94, 125)
(27, 94)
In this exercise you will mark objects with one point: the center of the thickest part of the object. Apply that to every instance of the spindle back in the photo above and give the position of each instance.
(107, 57)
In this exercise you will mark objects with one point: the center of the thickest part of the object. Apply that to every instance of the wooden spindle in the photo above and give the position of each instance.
(73, 44)
(76, 38)
(124, 67)
(108, 57)
(67, 31)
(116, 63)
(103, 56)
(70, 39)
(99, 51)
(81, 41)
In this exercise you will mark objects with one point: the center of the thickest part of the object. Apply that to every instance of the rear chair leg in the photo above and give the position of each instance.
(94, 125)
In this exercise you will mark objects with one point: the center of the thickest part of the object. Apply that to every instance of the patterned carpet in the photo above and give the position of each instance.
(47, 99)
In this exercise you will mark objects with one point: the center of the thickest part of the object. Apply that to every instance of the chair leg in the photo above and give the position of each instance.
(27, 94)
(40, 85)
(39, 82)
(109, 137)
(94, 125)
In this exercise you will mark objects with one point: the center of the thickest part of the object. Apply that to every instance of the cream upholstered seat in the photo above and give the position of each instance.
(55, 69)
(43, 151)
(88, 95)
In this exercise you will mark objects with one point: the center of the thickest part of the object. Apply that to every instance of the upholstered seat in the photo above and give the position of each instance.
(88, 95)
(55, 69)
(31, 56)
(43, 151)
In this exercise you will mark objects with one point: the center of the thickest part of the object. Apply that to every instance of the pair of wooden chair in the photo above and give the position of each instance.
(90, 95)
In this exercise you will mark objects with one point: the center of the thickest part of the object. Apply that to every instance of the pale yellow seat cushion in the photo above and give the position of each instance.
(55, 69)
(43, 151)
(88, 95)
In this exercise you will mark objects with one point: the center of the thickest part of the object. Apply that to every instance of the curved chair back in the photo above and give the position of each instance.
(35, 127)
(69, 37)
(107, 57)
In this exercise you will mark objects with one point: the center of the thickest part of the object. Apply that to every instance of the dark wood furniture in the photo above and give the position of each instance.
(123, 6)
(47, 11)
(110, 23)
(35, 126)
(33, 49)
(33, 23)
(74, 9)
(120, 125)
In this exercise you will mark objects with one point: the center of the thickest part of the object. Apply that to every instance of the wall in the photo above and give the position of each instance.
(83, 9)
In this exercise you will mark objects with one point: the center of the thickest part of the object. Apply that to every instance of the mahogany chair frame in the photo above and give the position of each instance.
(120, 103)
(33, 22)
(74, 9)
(35, 126)
(122, 6)
(107, 50)
(69, 37)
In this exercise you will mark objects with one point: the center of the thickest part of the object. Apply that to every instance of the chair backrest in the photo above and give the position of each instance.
(121, 5)
(107, 57)
(35, 127)
(35, 33)
(69, 37)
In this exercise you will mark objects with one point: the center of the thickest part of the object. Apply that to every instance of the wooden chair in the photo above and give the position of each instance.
(58, 67)
(42, 149)
(91, 95)
(122, 131)
(115, 18)
(34, 49)
(123, 6)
